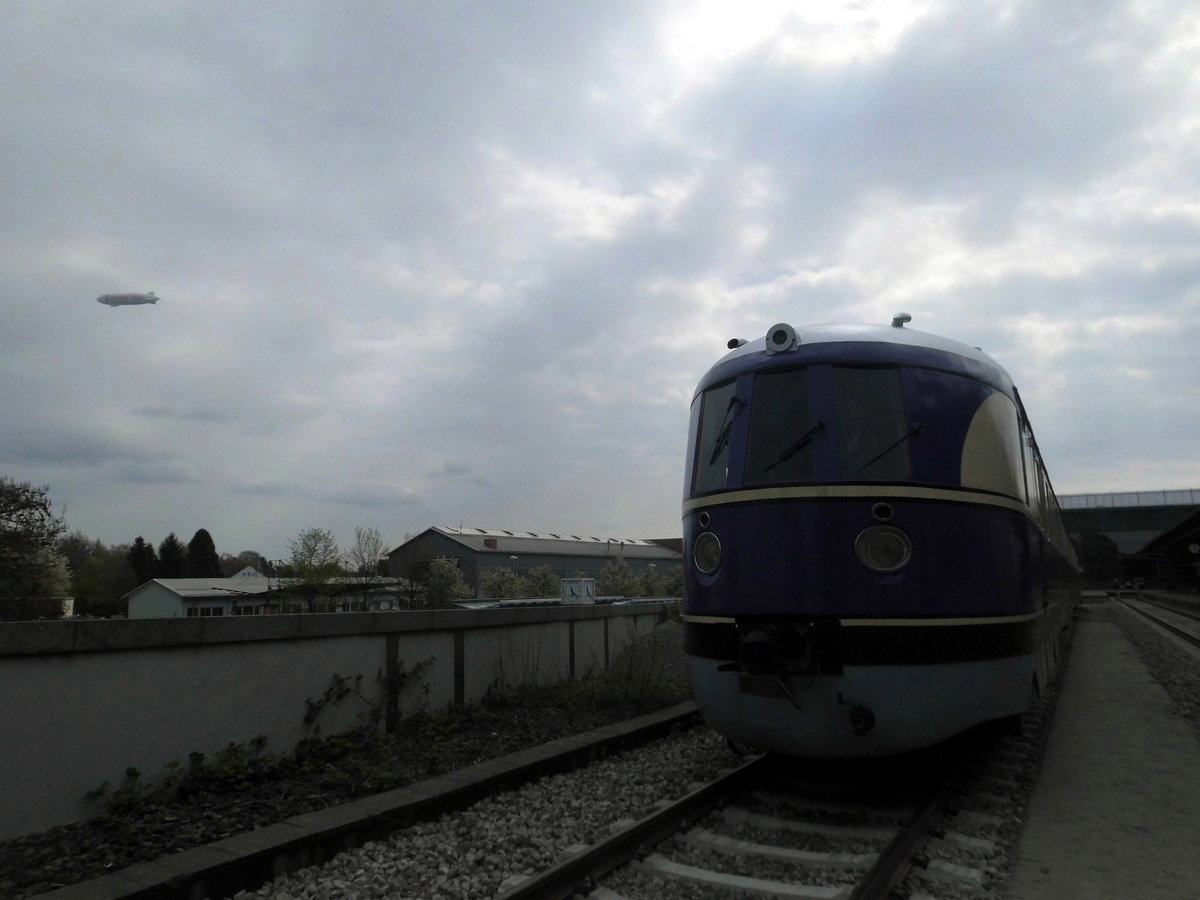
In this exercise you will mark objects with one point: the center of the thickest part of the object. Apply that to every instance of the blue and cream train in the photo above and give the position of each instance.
(874, 557)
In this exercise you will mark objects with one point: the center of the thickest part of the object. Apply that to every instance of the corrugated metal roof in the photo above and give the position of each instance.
(216, 587)
(498, 540)
(197, 588)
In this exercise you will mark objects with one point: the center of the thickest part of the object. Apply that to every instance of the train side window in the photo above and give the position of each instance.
(991, 453)
(872, 432)
(1030, 465)
(782, 434)
(719, 410)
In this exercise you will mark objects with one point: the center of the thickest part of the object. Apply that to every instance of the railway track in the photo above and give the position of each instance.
(813, 829)
(841, 830)
(1179, 620)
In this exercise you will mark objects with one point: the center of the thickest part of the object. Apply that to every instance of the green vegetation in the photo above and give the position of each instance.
(247, 786)
(42, 568)
(649, 675)
(33, 571)
(202, 559)
(616, 579)
(505, 584)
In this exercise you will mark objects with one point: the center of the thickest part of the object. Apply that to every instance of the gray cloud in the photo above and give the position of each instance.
(459, 471)
(443, 264)
(207, 416)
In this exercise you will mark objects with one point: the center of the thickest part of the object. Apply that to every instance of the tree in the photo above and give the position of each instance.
(501, 584)
(649, 583)
(315, 561)
(673, 582)
(664, 580)
(77, 547)
(542, 581)
(365, 562)
(105, 577)
(403, 563)
(445, 583)
(257, 561)
(616, 579)
(364, 557)
(54, 581)
(172, 558)
(231, 565)
(202, 559)
(30, 562)
(143, 560)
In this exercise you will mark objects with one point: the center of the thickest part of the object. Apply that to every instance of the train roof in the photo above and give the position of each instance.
(859, 343)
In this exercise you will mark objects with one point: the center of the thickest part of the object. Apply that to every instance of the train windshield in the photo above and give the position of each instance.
(837, 423)
(782, 433)
(720, 407)
(872, 432)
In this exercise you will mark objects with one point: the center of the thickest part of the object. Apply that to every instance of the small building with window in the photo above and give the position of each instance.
(169, 598)
(251, 594)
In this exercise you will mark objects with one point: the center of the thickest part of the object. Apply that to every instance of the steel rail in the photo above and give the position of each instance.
(1167, 626)
(578, 873)
(562, 880)
(897, 859)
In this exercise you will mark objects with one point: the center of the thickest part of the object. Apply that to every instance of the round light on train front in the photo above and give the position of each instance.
(706, 552)
(883, 548)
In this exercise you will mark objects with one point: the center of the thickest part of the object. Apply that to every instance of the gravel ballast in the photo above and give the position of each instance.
(1173, 665)
(473, 853)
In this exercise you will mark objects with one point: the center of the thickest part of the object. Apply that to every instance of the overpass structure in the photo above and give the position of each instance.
(1125, 536)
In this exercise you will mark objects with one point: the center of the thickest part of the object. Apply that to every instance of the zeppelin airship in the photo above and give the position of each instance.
(127, 299)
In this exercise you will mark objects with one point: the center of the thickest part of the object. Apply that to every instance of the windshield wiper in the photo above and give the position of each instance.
(799, 444)
(912, 432)
(725, 432)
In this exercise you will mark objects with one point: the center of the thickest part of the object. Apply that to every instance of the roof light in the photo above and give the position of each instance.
(781, 337)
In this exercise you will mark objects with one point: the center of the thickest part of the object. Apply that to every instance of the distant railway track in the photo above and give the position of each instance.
(1186, 619)
(843, 831)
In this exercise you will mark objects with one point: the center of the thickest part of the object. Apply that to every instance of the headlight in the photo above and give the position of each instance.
(706, 553)
(883, 548)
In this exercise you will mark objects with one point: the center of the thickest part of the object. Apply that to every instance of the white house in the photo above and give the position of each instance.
(249, 594)
(168, 598)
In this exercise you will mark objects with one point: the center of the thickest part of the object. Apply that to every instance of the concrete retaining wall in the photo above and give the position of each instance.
(83, 701)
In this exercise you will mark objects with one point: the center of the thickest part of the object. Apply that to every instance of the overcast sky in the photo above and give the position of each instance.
(438, 263)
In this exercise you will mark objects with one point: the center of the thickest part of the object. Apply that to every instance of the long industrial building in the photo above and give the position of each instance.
(568, 555)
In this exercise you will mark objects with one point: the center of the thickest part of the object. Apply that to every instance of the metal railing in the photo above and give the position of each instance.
(1119, 499)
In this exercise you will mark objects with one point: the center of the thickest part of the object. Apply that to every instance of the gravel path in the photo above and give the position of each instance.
(1114, 812)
